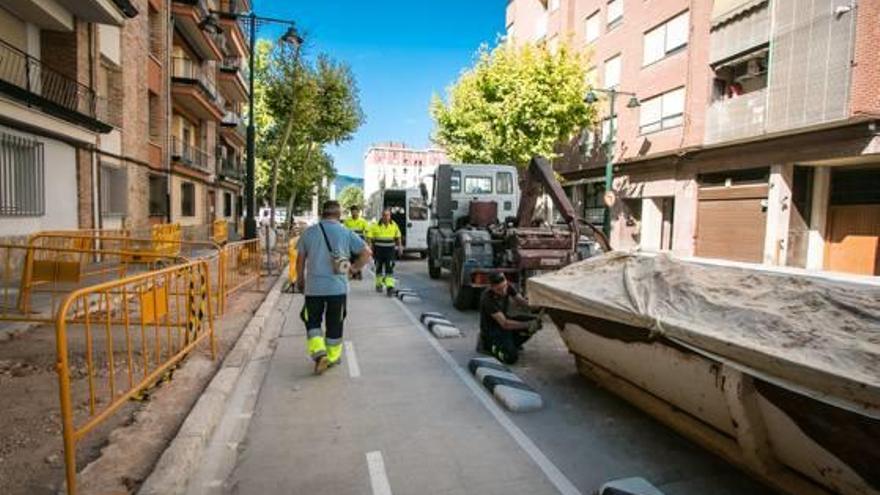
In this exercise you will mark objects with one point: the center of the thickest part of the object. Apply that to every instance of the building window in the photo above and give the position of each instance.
(22, 177)
(612, 72)
(155, 115)
(614, 13)
(477, 185)
(553, 44)
(666, 39)
(156, 38)
(158, 195)
(592, 76)
(594, 204)
(541, 27)
(227, 204)
(554, 5)
(504, 182)
(606, 128)
(418, 209)
(114, 190)
(188, 199)
(593, 27)
(455, 181)
(662, 112)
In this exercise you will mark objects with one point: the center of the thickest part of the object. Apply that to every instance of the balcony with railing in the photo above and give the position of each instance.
(28, 80)
(736, 118)
(229, 12)
(195, 22)
(193, 89)
(232, 80)
(230, 168)
(189, 155)
(232, 128)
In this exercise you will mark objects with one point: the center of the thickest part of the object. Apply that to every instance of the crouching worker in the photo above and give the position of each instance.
(323, 268)
(502, 334)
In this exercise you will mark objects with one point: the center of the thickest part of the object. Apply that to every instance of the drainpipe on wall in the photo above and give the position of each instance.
(169, 37)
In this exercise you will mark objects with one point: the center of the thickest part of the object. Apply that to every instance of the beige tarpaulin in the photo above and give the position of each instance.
(725, 9)
(813, 332)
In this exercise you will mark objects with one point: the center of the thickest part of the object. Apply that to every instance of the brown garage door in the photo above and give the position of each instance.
(731, 222)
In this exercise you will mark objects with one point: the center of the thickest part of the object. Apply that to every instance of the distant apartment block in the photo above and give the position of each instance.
(756, 138)
(395, 166)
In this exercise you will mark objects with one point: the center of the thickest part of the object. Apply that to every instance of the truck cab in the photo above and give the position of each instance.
(466, 201)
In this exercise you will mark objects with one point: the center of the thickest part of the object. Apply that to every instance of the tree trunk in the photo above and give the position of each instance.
(273, 195)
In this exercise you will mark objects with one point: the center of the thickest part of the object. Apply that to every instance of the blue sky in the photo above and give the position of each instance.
(401, 51)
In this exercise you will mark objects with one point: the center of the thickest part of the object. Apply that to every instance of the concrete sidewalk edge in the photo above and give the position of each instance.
(179, 461)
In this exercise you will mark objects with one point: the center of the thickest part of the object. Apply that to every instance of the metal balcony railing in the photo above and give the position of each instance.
(231, 64)
(188, 71)
(231, 119)
(28, 79)
(230, 167)
(189, 155)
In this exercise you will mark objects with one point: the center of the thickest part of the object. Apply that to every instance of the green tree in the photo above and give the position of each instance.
(514, 103)
(351, 196)
(312, 105)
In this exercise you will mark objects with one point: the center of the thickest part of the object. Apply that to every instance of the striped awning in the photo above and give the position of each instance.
(722, 10)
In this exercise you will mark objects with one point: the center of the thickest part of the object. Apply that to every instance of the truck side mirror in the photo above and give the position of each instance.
(424, 190)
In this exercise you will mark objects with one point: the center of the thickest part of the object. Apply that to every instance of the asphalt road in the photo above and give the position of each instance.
(591, 435)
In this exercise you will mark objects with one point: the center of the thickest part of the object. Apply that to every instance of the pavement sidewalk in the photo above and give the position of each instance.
(396, 417)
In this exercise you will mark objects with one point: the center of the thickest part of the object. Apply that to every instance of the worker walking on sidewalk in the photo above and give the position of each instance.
(387, 243)
(323, 264)
(502, 333)
(357, 224)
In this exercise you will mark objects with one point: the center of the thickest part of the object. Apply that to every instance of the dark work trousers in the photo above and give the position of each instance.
(317, 308)
(384, 257)
(505, 345)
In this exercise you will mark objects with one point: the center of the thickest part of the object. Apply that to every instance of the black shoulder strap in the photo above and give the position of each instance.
(326, 240)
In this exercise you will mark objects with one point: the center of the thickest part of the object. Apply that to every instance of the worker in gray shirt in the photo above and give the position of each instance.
(323, 263)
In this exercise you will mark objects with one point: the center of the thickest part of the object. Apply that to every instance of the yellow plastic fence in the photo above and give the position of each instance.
(291, 257)
(220, 231)
(239, 265)
(118, 338)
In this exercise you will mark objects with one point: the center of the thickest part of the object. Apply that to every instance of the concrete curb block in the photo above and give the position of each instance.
(180, 460)
(408, 295)
(439, 326)
(507, 388)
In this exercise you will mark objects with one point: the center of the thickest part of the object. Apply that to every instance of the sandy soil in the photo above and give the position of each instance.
(31, 454)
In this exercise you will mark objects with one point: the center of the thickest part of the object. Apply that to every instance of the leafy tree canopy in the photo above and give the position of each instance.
(514, 103)
(351, 196)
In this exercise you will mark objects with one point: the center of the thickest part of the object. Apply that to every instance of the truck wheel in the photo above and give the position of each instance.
(433, 271)
(462, 295)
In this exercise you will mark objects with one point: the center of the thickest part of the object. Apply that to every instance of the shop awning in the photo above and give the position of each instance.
(723, 10)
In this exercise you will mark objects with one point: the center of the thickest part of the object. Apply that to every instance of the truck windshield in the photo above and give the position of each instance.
(418, 210)
(477, 185)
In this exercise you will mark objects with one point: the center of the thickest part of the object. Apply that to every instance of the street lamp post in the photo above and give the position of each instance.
(291, 36)
(633, 102)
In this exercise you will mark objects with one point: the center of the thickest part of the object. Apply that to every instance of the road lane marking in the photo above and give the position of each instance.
(378, 477)
(553, 473)
(354, 370)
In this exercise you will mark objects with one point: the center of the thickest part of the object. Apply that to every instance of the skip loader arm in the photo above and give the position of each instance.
(539, 178)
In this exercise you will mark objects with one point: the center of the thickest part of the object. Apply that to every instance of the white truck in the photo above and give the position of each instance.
(409, 209)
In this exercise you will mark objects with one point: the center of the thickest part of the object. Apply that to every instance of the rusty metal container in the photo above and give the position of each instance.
(483, 213)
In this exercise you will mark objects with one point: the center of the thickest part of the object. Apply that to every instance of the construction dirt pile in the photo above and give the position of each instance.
(817, 332)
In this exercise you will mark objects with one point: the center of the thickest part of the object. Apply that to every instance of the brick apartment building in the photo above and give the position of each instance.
(397, 166)
(120, 113)
(756, 137)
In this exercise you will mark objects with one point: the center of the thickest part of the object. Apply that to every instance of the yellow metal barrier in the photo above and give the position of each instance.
(239, 264)
(123, 336)
(291, 258)
(220, 231)
(35, 277)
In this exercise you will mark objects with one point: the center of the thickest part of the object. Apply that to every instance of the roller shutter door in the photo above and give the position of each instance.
(731, 222)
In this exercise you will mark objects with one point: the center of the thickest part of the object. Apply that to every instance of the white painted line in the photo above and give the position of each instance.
(351, 358)
(378, 477)
(559, 480)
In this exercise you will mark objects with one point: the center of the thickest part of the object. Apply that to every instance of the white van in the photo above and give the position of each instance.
(409, 209)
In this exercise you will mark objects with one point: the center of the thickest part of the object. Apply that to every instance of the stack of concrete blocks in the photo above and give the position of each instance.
(439, 326)
(513, 393)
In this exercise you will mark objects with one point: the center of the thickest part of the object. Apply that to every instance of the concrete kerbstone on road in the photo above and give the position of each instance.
(180, 460)
(509, 389)
(431, 320)
(444, 331)
(629, 486)
(431, 314)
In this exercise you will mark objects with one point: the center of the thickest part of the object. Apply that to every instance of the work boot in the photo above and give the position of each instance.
(321, 365)
(380, 283)
(318, 352)
(334, 354)
(389, 285)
